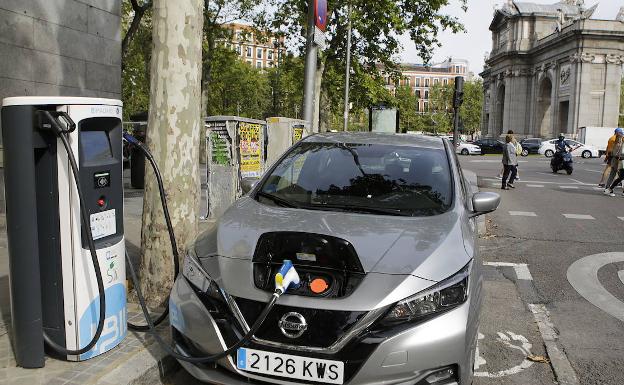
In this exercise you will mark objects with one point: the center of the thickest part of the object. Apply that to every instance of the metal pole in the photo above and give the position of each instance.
(310, 69)
(347, 76)
(458, 99)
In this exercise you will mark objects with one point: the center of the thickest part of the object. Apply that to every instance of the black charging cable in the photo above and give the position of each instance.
(151, 325)
(163, 201)
(49, 121)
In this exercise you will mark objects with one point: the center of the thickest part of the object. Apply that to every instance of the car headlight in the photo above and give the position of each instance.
(193, 271)
(443, 296)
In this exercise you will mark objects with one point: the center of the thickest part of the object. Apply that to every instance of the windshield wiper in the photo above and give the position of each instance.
(280, 201)
(364, 209)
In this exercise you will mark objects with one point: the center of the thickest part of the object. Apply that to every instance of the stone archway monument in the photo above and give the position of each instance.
(555, 68)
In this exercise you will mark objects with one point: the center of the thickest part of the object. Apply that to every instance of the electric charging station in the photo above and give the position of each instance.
(54, 288)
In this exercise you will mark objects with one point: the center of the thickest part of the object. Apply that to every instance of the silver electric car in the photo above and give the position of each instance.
(381, 229)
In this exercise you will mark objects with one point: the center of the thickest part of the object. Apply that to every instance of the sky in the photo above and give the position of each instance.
(477, 40)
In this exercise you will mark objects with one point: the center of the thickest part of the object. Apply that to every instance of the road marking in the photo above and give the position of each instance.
(578, 216)
(521, 269)
(581, 183)
(512, 341)
(559, 361)
(522, 214)
(599, 172)
(583, 276)
(621, 275)
(535, 185)
(568, 187)
(621, 218)
(599, 188)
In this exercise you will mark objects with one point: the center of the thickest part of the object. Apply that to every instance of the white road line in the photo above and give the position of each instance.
(535, 185)
(599, 188)
(522, 214)
(621, 275)
(578, 216)
(568, 187)
(559, 361)
(599, 172)
(579, 182)
(621, 218)
(521, 269)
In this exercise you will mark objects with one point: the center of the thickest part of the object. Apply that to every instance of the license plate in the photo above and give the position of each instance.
(286, 365)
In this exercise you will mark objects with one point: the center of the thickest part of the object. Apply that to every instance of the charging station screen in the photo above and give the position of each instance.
(95, 146)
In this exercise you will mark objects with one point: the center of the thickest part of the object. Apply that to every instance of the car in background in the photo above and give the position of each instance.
(381, 230)
(578, 149)
(530, 146)
(465, 148)
(490, 146)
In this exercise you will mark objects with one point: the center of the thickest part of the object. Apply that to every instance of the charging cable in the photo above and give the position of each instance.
(49, 121)
(174, 246)
(285, 279)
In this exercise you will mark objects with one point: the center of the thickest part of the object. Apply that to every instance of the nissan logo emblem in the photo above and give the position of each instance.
(292, 325)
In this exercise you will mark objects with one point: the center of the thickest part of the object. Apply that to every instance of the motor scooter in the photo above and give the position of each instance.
(562, 160)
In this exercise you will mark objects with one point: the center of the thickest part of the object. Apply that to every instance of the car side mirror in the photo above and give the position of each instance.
(484, 203)
(248, 184)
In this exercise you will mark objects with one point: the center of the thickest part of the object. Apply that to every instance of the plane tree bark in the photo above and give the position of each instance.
(173, 138)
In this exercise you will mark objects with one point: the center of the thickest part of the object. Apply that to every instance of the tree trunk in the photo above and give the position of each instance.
(173, 138)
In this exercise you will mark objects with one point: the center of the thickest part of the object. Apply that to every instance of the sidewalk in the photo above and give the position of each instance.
(137, 360)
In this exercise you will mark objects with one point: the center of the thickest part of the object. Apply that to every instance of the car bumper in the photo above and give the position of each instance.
(408, 357)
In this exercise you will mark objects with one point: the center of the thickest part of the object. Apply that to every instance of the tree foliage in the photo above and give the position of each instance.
(407, 104)
(472, 108)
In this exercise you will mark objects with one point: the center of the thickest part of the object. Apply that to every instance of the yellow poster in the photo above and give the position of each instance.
(250, 145)
(297, 134)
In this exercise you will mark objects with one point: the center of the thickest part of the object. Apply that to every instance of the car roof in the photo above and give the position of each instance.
(422, 141)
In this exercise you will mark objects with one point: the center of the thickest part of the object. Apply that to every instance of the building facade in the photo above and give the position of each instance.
(258, 51)
(552, 69)
(420, 78)
(60, 48)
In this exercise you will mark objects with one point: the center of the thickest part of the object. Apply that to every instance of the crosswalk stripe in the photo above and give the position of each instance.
(578, 216)
(569, 187)
(535, 185)
(621, 218)
(522, 213)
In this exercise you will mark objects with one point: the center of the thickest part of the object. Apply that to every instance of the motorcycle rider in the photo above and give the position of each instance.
(561, 147)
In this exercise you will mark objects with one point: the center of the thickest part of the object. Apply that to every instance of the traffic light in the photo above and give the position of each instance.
(458, 96)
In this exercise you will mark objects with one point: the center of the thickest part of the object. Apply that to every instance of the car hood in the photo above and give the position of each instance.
(431, 248)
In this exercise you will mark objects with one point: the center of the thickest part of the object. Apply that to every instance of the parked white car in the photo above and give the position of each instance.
(579, 149)
(465, 148)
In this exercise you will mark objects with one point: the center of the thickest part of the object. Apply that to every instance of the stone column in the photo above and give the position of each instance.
(612, 90)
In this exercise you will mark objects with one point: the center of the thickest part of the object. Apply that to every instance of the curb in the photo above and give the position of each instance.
(150, 366)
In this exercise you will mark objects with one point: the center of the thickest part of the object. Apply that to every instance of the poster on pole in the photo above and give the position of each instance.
(297, 133)
(250, 149)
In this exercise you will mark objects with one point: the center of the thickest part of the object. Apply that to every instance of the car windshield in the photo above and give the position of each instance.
(365, 178)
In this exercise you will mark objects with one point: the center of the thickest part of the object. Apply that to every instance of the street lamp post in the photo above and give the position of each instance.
(347, 75)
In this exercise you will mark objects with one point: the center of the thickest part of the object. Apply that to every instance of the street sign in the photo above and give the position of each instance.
(319, 38)
(320, 14)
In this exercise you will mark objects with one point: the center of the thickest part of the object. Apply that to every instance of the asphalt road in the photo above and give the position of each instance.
(541, 228)
(549, 222)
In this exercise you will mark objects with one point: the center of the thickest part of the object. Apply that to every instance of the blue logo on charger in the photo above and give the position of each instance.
(115, 327)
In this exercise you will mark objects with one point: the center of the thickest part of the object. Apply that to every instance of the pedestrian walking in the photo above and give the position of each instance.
(518, 153)
(609, 172)
(617, 165)
(510, 163)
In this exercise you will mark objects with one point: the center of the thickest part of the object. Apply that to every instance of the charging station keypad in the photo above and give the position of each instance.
(103, 224)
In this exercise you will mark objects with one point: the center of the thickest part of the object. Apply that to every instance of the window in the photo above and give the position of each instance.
(238, 35)
(258, 53)
(426, 95)
(270, 64)
(457, 69)
(426, 105)
(249, 53)
(435, 81)
(445, 82)
(427, 82)
(408, 82)
(239, 49)
(270, 54)
(385, 179)
(249, 62)
(258, 64)
(417, 82)
(418, 94)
